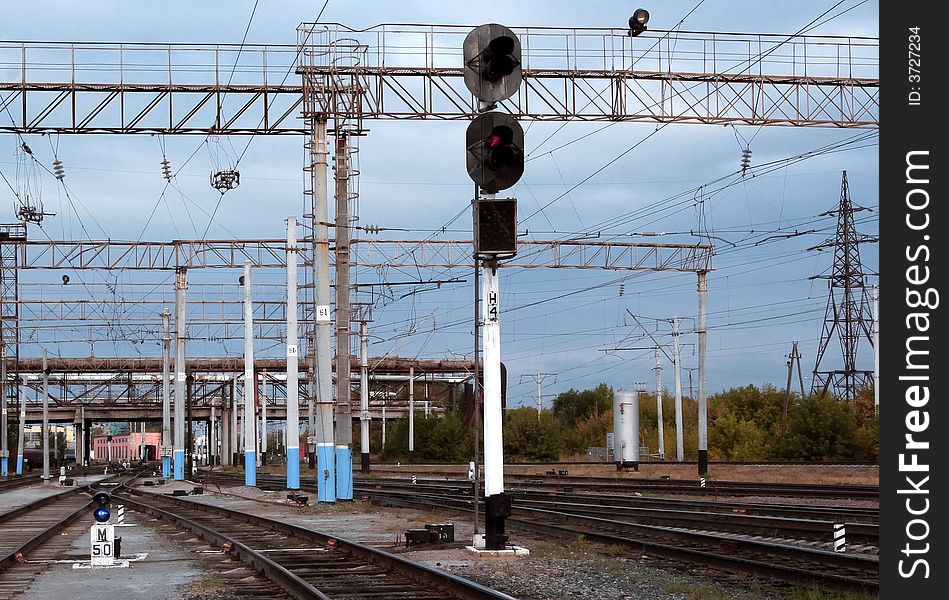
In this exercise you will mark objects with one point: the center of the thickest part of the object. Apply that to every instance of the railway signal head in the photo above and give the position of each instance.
(492, 56)
(102, 503)
(495, 151)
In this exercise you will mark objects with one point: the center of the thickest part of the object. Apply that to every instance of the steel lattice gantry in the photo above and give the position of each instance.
(414, 72)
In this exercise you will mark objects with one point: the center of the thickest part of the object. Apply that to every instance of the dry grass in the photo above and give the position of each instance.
(800, 473)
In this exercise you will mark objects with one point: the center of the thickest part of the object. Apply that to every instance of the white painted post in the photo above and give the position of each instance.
(250, 384)
(493, 441)
(181, 391)
(293, 388)
(411, 414)
(680, 448)
(166, 444)
(662, 439)
(45, 420)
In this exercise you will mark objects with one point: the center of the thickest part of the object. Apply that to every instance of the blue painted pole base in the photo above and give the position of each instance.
(179, 465)
(250, 468)
(293, 467)
(19, 464)
(326, 473)
(166, 466)
(4, 466)
(344, 473)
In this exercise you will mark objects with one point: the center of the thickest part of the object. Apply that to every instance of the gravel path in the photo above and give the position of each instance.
(581, 571)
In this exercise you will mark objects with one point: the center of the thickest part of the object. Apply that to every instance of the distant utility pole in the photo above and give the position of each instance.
(538, 379)
(876, 349)
(795, 356)
(675, 359)
(662, 440)
(680, 447)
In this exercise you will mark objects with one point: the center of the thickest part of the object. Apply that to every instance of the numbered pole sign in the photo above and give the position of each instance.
(102, 536)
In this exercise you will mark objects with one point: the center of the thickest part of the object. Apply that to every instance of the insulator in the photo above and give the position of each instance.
(622, 289)
(745, 159)
(371, 229)
(58, 170)
(166, 169)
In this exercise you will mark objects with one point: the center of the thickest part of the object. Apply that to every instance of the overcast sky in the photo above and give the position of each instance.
(575, 324)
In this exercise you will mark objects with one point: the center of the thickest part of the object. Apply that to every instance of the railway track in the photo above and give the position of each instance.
(781, 542)
(794, 521)
(305, 563)
(18, 481)
(755, 552)
(31, 534)
(730, 508)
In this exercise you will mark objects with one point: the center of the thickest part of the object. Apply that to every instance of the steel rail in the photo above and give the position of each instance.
(38, 535)
(677, 548)
(421, 574)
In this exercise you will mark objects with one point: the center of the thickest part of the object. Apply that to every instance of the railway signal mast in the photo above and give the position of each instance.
(495, 160)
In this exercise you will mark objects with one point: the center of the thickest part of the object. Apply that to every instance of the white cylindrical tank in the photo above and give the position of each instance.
(626, 428)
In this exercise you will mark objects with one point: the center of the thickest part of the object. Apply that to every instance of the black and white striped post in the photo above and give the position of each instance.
(840, 537)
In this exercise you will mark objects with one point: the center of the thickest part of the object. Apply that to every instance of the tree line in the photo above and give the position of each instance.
(747, 423)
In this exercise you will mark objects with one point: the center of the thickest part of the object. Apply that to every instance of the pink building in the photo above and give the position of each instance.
(125, 447)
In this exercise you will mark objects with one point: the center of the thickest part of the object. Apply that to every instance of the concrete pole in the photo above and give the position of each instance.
(680, 446)
(45, 419)
(166, 444)
(225, 427)
(321, 431)
(702, 334)
(4, 449)
(364, 396)
(262, 457)
(411, 414)
(344, 422)
(82, 459)
(21, 396)
(876, 349)
(250, 384)
(293, 387)
(258, 415)
(235, 445)
(540, 397)
(383, 423)
(181, 392)
(212, 435)
(662, 437)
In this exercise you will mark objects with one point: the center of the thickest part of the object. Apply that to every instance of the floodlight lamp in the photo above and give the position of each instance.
(637, 22)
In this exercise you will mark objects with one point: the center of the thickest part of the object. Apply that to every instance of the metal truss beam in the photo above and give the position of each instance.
(414, 72)
(370, 253)
(220, 369)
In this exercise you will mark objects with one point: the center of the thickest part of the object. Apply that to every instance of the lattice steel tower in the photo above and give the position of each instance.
(849, 316)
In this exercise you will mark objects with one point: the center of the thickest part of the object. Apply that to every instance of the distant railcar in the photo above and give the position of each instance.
(33, 458)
